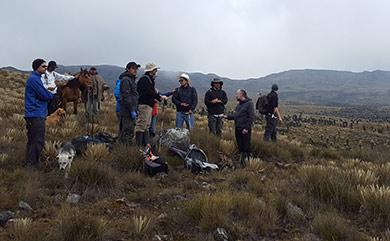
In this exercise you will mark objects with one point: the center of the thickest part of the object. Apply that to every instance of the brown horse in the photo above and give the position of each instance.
(71, 91)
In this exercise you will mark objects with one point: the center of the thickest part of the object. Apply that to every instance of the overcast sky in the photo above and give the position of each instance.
(233, 38)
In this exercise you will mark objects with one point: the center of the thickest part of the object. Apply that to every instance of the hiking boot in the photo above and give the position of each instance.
(139, 137)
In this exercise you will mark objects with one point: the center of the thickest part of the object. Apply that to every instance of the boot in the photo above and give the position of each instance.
(139, 136)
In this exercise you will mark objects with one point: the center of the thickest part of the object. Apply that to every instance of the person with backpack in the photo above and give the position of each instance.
(272, 114)
(148, 96)
(49, 79)
(128, 99)
(243, 116)
(185, 99)
(36, 98)
(215, 100)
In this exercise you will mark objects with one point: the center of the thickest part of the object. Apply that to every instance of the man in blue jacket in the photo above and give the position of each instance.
(36, 99)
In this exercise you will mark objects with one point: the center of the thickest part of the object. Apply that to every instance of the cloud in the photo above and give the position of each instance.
(233, 38)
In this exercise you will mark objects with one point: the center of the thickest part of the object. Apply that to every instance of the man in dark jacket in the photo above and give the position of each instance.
(273, 115)
(148, 95)
(243, 116)
(36, 99)
(185, 98)
(215, 100)
(128, 98)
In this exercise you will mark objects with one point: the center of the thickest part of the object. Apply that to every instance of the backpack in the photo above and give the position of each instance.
(117, 89)
(153, 166)
(262, 104)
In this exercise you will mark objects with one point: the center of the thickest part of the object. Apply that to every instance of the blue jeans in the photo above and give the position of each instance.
(182, 117)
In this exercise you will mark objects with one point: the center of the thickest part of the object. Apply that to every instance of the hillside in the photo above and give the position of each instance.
(322, 181)
(321, 87)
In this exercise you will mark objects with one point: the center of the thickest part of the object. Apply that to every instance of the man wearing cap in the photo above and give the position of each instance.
(185, 98)
(35, 100)
(148, 96)
(50, 78)
(215, 100)
(273, 115)
(128, 101)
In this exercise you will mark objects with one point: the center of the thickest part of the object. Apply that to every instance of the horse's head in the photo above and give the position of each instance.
(84, 77)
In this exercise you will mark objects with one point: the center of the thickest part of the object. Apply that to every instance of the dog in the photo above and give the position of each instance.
(65, 157)
(55, 118)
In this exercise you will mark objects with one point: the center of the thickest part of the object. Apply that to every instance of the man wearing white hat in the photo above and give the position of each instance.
(185, 98)
(147, 97)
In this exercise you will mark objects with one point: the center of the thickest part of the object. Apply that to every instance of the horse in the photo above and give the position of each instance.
(71, 91)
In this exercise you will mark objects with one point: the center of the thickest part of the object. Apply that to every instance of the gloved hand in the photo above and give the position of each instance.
(133, 115)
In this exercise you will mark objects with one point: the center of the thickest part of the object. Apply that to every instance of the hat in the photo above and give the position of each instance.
(185, 76)
(92, 68)
(275, 87)
(36, 63)
(217, 81)
(132, 65)
(150, 67)
(52, 64)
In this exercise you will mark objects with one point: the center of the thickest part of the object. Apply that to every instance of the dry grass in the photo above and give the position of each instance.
(97, 153)
(376, 201)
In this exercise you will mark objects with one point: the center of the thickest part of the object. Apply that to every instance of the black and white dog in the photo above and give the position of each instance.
(65, 157)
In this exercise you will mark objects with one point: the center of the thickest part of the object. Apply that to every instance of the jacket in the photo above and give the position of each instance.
(49, 80)
(117, 94)
(185, 95)
(218, 108)
(128, 95)
(244, 114)
(36, 97)
(147, 91)
(272, 102)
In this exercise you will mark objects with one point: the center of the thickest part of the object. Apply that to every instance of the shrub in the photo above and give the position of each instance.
(97, 153)
(227, 147)
(376, 201)
(93, 175)
(213, 211)
(329, 226)
(127, 158)
(72, 225)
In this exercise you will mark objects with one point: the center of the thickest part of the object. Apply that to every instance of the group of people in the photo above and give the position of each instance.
(137, 106)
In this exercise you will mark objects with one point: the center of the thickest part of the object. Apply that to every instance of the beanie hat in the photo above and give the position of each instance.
(36, 63)
(275, 87)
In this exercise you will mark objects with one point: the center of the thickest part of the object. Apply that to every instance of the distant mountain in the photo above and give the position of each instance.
(325, 87)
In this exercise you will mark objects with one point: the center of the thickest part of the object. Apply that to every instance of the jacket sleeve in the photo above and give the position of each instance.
(40, 90)
(224, 98)
(207, 98)
(61, 77)
(148, 89)
(175, 98)
(127, 94)
(231, 116)
(194, 99)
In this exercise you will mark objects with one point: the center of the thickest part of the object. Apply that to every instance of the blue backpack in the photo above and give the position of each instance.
(117, 91)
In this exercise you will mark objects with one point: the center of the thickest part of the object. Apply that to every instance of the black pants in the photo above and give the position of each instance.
(270, 128)
(53, 104)
(35, 140)
(126, 130)
(215, 124)
(244, 141)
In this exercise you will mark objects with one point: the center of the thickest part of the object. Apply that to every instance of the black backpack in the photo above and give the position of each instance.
(262, 104)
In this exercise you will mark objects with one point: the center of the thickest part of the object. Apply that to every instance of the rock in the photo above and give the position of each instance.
(220, 234)
(5, 216)
(159, 237)
(73, 198)
(295, 213)
(127, 203)
(180, 198)
(162, 216)
(25, 206)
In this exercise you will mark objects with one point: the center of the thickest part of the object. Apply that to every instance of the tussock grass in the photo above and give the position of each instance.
(97, 153)
(330, 226)
(73, 225)
(376, 201)
(127, 158)
(93, 175)
(213, 211)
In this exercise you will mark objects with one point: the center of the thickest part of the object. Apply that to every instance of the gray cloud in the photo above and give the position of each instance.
(234, 38)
